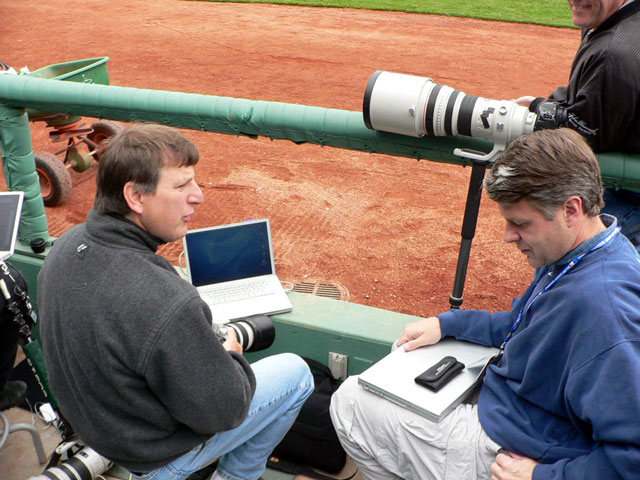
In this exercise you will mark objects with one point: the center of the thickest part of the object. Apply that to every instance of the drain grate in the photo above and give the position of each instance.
(322, 289)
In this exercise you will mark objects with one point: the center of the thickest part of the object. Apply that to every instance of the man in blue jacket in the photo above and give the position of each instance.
(562, 401)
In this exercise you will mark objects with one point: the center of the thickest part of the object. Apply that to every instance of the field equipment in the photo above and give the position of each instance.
(82, 142)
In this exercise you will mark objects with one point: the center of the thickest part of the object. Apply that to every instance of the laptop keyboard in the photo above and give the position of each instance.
(232, 293)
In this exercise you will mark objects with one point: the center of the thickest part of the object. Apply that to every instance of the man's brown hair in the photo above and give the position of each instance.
(137, 154)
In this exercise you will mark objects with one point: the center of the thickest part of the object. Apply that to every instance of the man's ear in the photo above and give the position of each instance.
(133, 197)
(573, 209)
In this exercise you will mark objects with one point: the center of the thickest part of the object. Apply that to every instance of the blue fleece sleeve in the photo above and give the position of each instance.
(477, 326)
(604, 400)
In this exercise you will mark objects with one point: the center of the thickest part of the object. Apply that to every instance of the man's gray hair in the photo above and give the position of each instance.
(546, 168)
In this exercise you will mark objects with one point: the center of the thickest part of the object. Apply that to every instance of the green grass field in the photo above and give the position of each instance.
(542, 12)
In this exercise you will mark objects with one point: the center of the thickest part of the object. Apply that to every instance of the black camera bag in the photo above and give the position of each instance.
(312, 440)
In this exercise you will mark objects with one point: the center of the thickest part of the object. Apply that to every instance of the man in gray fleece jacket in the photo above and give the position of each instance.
(132, 358)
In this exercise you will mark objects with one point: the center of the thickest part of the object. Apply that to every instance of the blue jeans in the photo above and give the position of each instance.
(626, 211)
(283, 384)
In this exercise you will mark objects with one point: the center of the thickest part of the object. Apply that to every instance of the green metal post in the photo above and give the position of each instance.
(19, 167)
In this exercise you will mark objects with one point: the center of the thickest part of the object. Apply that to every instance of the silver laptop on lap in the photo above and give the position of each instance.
(393, 376)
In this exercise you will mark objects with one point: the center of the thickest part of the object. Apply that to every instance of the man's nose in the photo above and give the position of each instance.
(196, 195)
(510, 235)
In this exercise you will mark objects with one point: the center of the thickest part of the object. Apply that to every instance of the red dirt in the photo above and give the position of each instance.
(386, 228)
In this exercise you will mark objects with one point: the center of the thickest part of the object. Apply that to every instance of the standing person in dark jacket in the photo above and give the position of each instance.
(563, 400)
(603, 94)
(131, 354)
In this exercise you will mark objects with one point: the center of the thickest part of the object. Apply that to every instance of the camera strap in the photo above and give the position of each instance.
(18, 302)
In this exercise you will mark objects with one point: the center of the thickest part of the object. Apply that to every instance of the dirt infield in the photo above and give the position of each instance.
(385, 228)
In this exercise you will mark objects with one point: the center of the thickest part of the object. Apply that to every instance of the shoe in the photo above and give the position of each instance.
(12, 394)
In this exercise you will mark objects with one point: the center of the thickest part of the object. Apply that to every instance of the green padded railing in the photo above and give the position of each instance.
(298, 123)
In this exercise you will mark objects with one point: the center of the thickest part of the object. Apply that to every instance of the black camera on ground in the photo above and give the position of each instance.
(86, 464)
(254, 333)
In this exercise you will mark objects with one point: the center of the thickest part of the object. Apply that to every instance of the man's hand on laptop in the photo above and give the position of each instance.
(231, 343)
(418, 334)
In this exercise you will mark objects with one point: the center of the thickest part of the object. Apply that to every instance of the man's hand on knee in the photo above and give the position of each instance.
(512, 467)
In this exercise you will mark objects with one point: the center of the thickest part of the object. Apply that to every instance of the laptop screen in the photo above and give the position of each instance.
(231, 252)
(10, 208)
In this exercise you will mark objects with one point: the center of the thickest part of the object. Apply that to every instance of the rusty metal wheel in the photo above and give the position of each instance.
(102, 130)
(55, 179)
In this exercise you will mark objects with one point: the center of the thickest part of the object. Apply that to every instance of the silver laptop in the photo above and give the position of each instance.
(233, 268)
(393, 376)
(10, 210)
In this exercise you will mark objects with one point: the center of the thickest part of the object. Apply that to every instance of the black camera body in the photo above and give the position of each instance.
(254, 333)
(550, 114)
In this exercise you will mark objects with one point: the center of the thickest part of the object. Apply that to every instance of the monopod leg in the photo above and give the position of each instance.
(469, 223)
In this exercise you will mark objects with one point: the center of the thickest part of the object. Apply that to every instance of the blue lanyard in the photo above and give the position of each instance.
(568, 267)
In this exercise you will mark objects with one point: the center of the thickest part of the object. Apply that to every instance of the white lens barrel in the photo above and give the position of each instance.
(396, 103)
(84, 465)
(415, 106)
(441, 111)
(245, 334)
(501, 121)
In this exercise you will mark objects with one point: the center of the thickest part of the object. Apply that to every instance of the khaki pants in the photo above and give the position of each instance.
(388, 441)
